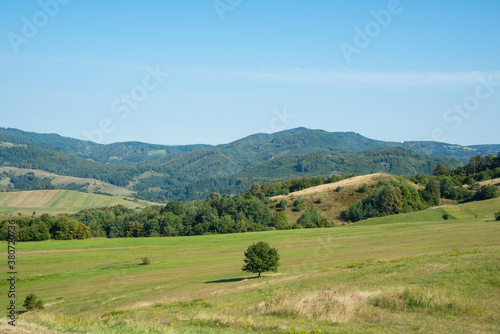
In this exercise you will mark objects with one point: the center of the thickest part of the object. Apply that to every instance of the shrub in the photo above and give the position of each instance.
(282, 204)
(312, 216)
(497, 216)
(390, 201)
(338, 189)
(461, 194)
(297, 205)
(363, 188)
(145, 261)
(280, 221)
(487, 192)
(319, 201)
(31, 302)
(254, 227)
(446, 216)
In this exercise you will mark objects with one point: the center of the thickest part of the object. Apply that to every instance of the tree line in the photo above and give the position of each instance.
(251, 211)
(46, 227)
(460, 184)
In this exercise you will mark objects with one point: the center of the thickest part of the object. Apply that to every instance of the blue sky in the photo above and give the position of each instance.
(183, 72)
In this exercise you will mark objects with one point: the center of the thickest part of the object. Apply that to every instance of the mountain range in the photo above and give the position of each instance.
(188, 172)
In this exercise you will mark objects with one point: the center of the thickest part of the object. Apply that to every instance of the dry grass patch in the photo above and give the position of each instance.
(425, 301)
(494, 182)
(330, 305)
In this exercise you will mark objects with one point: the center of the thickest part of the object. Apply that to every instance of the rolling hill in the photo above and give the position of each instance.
(334, 200)
(161, 173)
(127, 152)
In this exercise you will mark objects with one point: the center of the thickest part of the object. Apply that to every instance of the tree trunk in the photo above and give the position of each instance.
(259, 274)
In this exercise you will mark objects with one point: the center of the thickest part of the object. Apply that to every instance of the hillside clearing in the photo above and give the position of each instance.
(59, 201)
(495, 182)
(336, 197)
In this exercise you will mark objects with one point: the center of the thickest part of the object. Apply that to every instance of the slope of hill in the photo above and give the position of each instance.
(472, 210)
(64, 182)
(60, 201)
(335, 197)
(263, 147)
(397, 160)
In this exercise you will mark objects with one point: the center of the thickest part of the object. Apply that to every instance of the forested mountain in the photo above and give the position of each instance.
(126, 152)
(462, 153)
(397, 160)
(160, 172)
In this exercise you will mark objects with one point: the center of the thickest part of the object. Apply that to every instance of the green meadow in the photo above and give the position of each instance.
(422, 276)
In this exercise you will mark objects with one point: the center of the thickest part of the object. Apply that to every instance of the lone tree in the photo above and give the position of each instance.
(260, 257)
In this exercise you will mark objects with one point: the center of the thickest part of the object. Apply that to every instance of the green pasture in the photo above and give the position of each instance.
(427, 276)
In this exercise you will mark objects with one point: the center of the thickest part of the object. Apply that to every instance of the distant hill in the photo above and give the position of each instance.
(462, 153)
(186, 172)
(59, 181)
(395, 160)
(126, 152)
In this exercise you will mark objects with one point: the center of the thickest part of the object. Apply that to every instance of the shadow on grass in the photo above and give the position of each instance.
(229, 280)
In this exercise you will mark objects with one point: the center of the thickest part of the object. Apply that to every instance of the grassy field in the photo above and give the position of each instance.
(59, 201)
(420, 276)
(482, 209)
(60, 181)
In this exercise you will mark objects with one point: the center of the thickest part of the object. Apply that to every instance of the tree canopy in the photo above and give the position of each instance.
(260, 257)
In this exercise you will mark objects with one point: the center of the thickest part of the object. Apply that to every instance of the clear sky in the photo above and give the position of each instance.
(204, 71)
